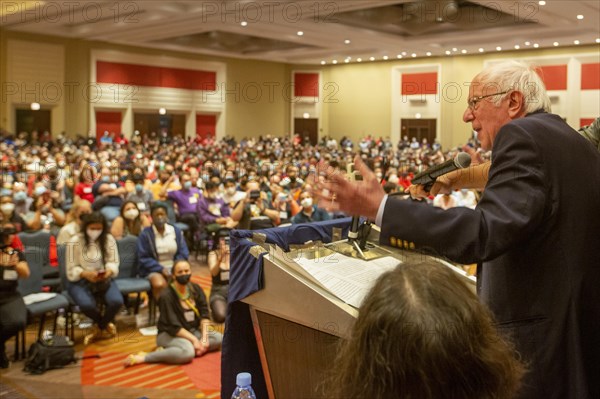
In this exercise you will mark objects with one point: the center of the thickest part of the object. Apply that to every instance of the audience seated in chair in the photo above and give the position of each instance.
(218, 263)
(421, 333)
(184, 330)
(159, 246)
(130, 221)
(92, 265)
(13, 313)
(80, 208)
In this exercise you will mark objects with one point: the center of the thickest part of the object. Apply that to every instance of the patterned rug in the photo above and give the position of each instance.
(201, 378)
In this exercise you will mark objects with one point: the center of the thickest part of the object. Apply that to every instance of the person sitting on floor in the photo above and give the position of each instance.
(184, 330)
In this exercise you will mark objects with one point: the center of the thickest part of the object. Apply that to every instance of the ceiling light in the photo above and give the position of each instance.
(499, 48)
(300, 33)
(306, 115)
(385, 57)
(334, 62)
(347, 41)
(463, 51)
(527, 43)
(428, 54)
(372, 58)
(162, 111)
(399, 56)
(404, 53)
(359, 60)
(576, 42)
(517, 47)
(35, 106)
(580, 17)
(323, 62)
(555, 44)
(536, 45)
(542, 3)
(481, 50)
(454, 49)
(413, 55)
(598, 40)
(244, 23)
(346, 60)
(448, 52)
(417, 116)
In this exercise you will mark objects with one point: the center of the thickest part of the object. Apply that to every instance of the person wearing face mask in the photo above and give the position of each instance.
(44, 213)
(130, 221)
(159, 247)
(232, 195)
(310, 212)
(108, 194)
(165, 182)
(92, 261)
(80, 208)
(7, 207)
(139, 195)
(184, 329)
(20, 199)
(213, 211)
(83, 188)
(186, 200)
(13, 313)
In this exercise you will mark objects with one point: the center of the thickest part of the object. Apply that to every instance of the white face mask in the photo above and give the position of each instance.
(131, 214)
(306, 202)
(230, 190)
(7, 208)
(93, 234)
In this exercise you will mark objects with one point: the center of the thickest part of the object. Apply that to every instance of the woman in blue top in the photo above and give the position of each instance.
(159, 246)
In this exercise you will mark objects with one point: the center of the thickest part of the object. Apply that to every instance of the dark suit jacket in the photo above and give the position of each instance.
(536, 232)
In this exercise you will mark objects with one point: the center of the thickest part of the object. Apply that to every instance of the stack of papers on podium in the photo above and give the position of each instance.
(347, 278)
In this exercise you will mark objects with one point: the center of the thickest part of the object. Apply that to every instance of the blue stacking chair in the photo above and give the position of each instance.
(128, 279)
(37, 251)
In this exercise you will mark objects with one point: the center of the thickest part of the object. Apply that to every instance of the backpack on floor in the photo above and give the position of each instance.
(53, 353)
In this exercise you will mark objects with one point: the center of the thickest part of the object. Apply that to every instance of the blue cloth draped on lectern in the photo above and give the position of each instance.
(240, 351)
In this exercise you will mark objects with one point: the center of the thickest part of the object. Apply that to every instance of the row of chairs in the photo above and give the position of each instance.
(36, 247)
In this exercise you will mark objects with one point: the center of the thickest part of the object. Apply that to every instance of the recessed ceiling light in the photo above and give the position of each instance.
(404, 53)
(35, 106)
(323, 62)
(417, 116)
(385, 57)
(162, 111)
(454, 49)
(413, 55)
(598, 40)
(244, 23)
(334, 62)
(580, 17)
(542, 3)
(464, 51)
(481, 50)
(536, 45)
(347, 41)
(517, 47)
(555, 44)
(300, 33)
(399, 56)
(527, 43)
(499, 48)
(448, 52)
(576, 42)
(372, 58)
(428, 54)
(359, 60)
(346, 60)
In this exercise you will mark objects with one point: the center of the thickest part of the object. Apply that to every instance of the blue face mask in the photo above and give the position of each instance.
(106, 179)
(20, 196)
(187, 185)
(139, 188)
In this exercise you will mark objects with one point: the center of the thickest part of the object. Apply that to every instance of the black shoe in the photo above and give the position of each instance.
(4, 362)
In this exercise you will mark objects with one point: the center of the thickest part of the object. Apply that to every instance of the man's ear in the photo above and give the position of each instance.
(516, 104)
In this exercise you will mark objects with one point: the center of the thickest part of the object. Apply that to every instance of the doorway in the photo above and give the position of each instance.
(173, 124)
(28, 120)
(418, 128)
(307, 128)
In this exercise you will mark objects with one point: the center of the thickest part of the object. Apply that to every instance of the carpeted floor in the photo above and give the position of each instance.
(105, 377)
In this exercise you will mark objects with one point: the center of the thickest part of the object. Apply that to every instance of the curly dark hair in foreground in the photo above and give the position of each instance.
(422, 334)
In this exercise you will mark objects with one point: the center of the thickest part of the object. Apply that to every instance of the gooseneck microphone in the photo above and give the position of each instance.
(427, 177)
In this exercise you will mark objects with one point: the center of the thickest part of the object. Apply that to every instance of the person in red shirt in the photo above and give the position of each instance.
(83, 189)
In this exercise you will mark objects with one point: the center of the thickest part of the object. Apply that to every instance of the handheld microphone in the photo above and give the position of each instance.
(427, 178)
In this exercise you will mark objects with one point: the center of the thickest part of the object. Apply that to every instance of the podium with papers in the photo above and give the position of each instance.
(302, 302)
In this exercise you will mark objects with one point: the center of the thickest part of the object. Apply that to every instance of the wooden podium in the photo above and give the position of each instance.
(298, 325)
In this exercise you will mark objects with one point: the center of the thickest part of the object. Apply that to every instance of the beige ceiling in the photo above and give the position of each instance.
(374, 28)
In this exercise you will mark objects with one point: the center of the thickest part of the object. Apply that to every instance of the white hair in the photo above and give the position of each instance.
(517, 76)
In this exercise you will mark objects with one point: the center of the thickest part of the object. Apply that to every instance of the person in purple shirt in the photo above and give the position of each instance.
(213, 211)
(187, 204)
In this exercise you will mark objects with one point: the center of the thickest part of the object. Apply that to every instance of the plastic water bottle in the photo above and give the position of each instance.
(244, 389)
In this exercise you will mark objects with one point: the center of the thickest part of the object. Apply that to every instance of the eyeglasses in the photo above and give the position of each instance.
(472, 103)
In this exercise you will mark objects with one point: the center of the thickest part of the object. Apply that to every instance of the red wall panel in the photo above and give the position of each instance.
(143, 75)
(108, 121)
(419, 83)
(306, 84)
(590, 76)
(554, 76)
(586, 121)
(206, 125)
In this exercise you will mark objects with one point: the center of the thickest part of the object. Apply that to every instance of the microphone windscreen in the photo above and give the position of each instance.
(462, 160)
